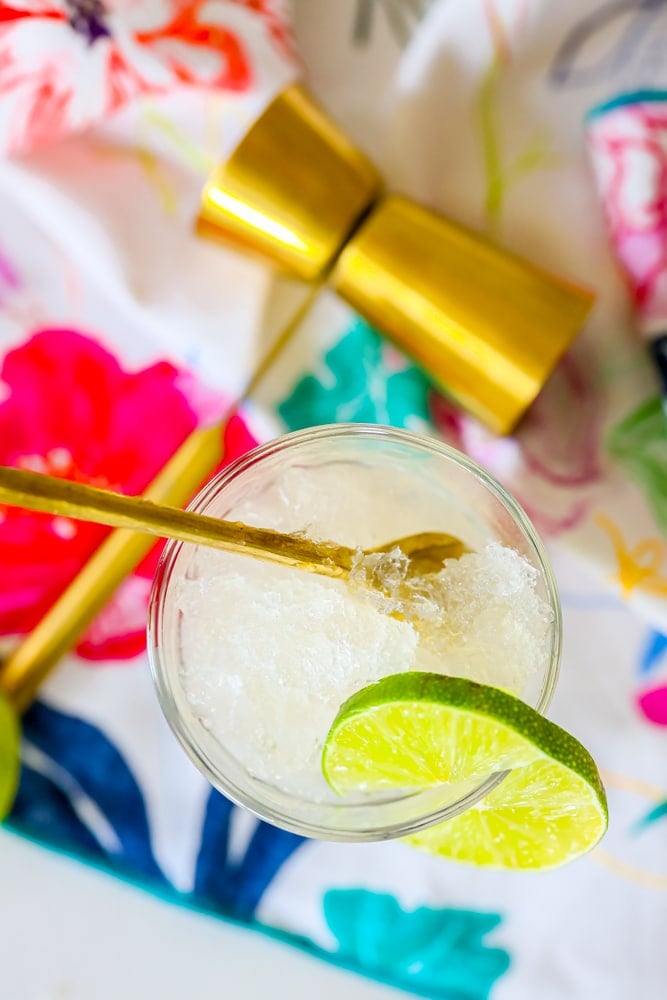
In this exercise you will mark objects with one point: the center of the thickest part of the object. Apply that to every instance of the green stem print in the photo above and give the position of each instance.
(501, 175)
(157, 178)
(190, 153)
(194, 156)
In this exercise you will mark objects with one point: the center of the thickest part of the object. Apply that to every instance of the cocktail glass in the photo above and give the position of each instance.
(359, 485)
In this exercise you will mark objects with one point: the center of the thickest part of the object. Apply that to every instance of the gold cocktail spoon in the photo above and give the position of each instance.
(35, 491)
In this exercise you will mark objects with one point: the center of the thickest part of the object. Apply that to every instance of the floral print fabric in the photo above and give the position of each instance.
(68, 64)
(121, 332)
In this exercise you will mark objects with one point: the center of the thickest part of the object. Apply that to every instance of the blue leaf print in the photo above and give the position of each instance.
(76, 790)
(362, 387)
(211, 874)
(237, 887)
(40, 805)
(656, 644)
(433, 953)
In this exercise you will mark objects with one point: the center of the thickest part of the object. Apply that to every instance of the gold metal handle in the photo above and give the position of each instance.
(35, 491)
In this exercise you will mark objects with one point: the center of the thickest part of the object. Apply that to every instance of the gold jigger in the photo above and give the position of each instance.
(487, 326)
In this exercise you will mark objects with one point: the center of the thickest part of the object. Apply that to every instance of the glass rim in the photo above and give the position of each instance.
(166, 565)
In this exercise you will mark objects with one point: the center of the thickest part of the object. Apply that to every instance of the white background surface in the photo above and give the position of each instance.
(68, 932)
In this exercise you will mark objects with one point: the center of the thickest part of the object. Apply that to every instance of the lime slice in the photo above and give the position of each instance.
(418, 730)
(9, 756)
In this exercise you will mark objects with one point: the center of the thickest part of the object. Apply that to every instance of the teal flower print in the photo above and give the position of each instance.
(368, 382)
(652, 816)
(438, 954)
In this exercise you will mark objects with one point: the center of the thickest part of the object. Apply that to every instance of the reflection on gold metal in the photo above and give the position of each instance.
(257, 221)
(293, 190)
(486, 325)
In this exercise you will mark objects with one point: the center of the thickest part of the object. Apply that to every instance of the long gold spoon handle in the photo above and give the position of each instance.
(35, 491)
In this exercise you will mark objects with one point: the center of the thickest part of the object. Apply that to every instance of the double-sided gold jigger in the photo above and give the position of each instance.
(486, 326)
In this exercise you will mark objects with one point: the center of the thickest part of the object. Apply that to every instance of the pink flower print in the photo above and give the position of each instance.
(559, 436)
(629, 154)
(653, 705)
(552, 461)
(68, 408)
(65, 64)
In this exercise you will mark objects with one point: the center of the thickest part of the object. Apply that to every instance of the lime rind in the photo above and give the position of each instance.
(9, 756)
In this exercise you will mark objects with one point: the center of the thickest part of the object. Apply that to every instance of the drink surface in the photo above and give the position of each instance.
(269, 654)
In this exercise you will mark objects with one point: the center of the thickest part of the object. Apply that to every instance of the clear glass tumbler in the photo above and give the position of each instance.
(358, 485)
